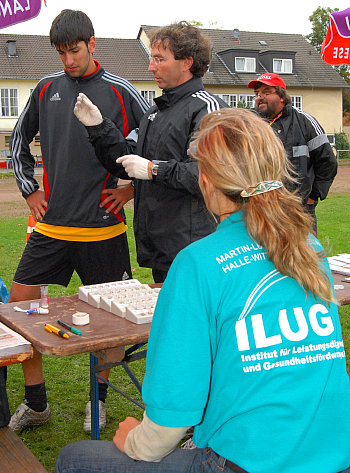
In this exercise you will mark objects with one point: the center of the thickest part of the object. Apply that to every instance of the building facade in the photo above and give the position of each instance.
(237, 58)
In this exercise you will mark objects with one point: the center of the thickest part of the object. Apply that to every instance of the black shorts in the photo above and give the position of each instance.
(50, 261)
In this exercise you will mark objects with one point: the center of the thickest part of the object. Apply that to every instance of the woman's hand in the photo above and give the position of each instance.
(124, 428)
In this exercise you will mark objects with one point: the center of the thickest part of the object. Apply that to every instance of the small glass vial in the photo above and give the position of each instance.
(44, 294)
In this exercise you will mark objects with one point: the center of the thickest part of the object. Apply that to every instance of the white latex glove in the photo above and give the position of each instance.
(86, 111)
(136, 166)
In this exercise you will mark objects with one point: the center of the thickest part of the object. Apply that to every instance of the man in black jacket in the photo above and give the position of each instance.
(73, 231)
(169, 209)
(304, 139)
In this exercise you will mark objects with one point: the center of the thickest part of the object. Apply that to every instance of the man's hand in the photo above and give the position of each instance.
(136, 166)
(86, 111)
(119, 197)
(37, 204)
(124, 428)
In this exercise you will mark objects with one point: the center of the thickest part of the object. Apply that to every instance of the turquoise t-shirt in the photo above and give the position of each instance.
(242, 352)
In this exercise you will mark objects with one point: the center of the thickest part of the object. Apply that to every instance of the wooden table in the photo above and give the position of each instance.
(343, 295)
(105, 330)
(12, 355)
(104, 333)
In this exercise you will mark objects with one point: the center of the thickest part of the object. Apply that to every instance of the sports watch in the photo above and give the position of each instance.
(154, 169)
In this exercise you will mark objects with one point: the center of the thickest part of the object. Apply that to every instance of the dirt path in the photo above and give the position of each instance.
(12, 203)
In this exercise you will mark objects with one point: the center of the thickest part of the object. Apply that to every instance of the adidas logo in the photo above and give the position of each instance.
(55, 97)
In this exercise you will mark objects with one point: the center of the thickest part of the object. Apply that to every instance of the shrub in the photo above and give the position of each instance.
(342, 143)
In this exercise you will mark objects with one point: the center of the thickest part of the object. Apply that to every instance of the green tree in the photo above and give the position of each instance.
(320, 21)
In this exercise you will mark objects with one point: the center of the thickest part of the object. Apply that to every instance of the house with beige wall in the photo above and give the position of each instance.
(241, 56)
(237, 57)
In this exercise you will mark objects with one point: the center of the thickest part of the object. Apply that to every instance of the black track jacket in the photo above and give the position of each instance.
(73, 176)
(169, 210)
(309, 151)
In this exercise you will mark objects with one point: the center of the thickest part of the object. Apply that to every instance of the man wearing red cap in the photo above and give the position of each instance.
(304, 140)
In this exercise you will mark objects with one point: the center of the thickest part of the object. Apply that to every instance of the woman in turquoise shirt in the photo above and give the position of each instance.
(245, 342)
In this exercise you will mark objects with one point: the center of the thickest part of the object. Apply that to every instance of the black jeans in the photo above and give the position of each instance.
(5, 415)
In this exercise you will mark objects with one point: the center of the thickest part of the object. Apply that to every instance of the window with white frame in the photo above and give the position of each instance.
(283, 66)
(230, 99)
(331, 138)
(245, 64)
(9, 102)
(297, 101)
(246, 101)
(149, 95)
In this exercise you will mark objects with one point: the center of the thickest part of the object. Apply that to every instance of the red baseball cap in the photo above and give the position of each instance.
(269, 78)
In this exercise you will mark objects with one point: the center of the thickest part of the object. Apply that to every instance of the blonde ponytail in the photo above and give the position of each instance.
(277, 221)
(236, 150)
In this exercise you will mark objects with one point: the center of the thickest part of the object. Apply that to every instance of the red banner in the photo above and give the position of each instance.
(336, 45)
(16, 11)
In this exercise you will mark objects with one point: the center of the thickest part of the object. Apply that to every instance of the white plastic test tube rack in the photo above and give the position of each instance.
(128, 299)
(92, 294)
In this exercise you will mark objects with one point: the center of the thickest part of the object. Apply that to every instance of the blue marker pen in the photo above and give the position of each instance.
(31, 311)
(37, 310)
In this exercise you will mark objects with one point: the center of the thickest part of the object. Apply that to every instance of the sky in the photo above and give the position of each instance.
(116, 19)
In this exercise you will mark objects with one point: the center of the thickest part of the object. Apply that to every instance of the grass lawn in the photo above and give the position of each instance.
(334, 233)
(68, 394)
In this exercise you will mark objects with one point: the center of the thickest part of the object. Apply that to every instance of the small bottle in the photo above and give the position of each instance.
(44, 294)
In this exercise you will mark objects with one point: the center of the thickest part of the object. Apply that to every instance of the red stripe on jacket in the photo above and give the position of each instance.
(125, 117)
(45, 179)
(125, 134)
(43, 90)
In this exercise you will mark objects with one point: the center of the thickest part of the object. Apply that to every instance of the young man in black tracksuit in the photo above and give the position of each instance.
(73, 230)
(169, 209)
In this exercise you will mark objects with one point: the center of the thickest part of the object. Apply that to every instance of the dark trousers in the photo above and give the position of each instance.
(310, 208)
(159, 276)
(4, 405)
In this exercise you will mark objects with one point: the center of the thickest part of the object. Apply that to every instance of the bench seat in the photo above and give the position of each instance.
(15, 456)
